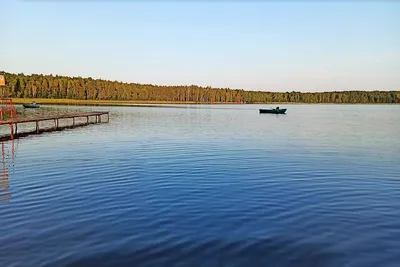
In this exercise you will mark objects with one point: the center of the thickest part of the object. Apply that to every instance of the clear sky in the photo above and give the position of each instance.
(253, 45)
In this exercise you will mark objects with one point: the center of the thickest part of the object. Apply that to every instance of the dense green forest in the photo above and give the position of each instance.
(49, 86)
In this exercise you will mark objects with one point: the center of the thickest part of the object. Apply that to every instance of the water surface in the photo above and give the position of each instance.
(206, 185)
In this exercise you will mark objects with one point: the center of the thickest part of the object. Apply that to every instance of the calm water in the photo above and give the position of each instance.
(213, 185)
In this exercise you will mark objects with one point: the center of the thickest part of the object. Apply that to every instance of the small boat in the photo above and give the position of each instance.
(276, 110)
(31, 105)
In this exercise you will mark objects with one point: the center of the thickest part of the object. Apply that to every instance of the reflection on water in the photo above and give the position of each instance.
(4, 187)
(8, 154)
(45, 111)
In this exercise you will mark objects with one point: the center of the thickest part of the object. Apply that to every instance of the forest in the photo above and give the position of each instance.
(62, 87)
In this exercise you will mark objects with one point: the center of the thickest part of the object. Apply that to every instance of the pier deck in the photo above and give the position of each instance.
(14, 123)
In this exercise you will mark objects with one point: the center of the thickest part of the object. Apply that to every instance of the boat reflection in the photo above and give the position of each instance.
(7, 161)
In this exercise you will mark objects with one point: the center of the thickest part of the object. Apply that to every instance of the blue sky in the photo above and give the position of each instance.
(255, 45)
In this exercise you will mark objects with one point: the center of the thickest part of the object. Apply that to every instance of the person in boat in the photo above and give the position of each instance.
(277, 107)
(34, 103)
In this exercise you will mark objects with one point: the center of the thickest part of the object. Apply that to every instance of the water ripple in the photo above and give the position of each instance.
(207, 187)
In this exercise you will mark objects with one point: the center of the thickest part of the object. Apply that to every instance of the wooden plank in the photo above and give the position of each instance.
(65, 116)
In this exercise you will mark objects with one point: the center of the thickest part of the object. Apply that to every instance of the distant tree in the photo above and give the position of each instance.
(50, 86)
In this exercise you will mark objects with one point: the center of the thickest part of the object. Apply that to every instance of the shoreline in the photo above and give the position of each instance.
(78, 102)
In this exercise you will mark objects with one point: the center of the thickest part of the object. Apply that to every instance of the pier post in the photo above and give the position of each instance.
(73, 122)
(108, 117)
(99, 118)
(55, 124)
(12, 130)
(16, 128)
(37, 127)
(87, 119)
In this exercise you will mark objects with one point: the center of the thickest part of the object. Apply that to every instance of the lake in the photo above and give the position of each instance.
(206, 185)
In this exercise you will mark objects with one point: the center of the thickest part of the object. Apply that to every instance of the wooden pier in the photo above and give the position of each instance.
(13, 123)
(9, 116)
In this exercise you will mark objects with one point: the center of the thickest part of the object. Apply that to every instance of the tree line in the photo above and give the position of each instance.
(63, 87)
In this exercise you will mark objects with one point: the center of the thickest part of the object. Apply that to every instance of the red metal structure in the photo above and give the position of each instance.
(8, 112)
(7, 108)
